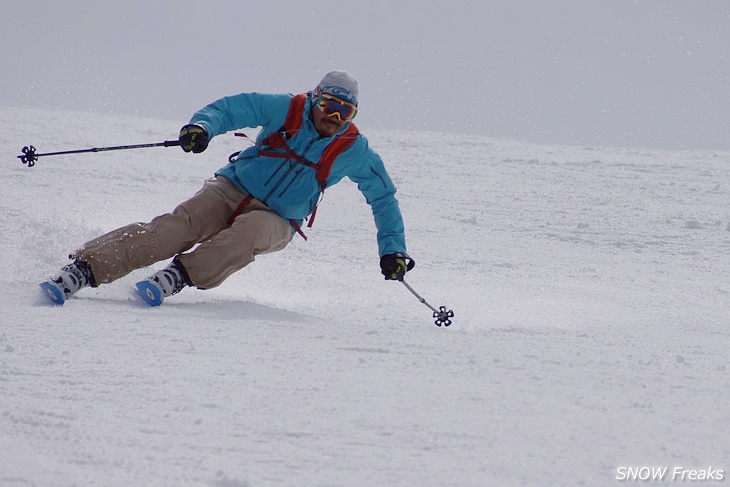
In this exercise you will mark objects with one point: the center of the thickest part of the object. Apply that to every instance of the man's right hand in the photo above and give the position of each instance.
(193, 138)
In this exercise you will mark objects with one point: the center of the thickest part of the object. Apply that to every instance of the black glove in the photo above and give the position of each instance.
(395, 266)
(193, 138)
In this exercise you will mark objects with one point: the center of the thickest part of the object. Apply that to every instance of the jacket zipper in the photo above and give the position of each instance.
(293, 164)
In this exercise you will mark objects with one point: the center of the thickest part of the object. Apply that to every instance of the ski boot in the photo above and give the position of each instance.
(72, 278)
(170, 280)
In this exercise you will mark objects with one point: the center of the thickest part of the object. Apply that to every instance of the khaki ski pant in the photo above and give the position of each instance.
(203, 219)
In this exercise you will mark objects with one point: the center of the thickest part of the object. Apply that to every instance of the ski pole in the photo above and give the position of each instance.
(443, 316)
(30, 156)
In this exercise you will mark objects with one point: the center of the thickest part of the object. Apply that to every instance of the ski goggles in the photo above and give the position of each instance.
(335, 107)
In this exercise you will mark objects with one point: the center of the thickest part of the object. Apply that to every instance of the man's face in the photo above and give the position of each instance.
(326, 126)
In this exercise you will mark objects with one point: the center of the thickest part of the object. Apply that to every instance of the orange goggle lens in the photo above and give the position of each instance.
(334, 107)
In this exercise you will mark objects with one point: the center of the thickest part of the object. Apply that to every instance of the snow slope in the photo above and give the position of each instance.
(590, 287)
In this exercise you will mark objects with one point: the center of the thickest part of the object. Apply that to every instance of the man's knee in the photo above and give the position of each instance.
(269, 231)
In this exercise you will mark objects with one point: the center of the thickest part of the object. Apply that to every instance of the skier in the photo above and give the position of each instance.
(256, 203)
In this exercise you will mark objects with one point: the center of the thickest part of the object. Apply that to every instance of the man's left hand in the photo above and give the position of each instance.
(395, 266)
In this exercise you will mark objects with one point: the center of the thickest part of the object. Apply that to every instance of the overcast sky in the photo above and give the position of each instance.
(645, 73)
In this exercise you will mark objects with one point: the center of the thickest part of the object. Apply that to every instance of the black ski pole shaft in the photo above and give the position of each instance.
(30, 156)
(443, 316)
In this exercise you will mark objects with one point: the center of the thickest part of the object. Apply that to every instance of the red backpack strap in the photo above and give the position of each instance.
(239, 209)
(292, 123)
(341, 143)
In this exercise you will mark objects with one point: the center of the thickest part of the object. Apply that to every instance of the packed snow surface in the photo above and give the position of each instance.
(591, 331)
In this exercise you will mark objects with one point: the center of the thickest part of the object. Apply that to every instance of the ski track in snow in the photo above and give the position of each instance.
(589, 285)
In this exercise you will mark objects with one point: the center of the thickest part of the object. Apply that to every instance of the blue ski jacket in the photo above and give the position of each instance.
(291, 188)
